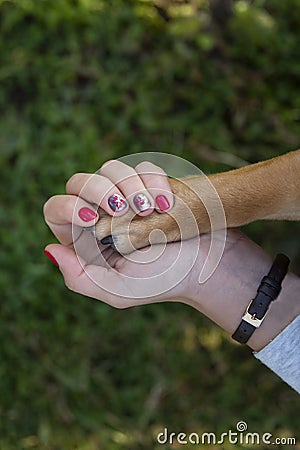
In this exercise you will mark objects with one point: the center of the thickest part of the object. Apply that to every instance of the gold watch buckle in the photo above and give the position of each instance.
(251, 318)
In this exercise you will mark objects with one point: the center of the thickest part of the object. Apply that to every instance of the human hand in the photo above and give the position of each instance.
(162, 273)
(92, 268)
(95, 270)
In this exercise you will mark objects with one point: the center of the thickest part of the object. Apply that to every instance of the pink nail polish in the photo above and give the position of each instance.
(162, 202)
(87, 214)
(51, 257)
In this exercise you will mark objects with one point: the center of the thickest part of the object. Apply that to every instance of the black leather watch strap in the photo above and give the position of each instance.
(267, 292)
(243, 332)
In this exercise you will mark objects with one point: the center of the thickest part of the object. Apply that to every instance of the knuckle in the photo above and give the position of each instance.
(46, 206)
(49, 204)
(114, 164)
(77, 179)
(107, 163)
(72, 181)
(149, 167)
(142, 166)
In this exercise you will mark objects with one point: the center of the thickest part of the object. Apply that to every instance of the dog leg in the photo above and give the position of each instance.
(266, 190)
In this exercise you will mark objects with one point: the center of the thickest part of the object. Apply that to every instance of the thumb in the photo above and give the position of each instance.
(90, 280)
(71, 266)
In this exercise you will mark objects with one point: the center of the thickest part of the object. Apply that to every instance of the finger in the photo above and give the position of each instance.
(132, 186)
(79, 277)
(99, 190)
(61, 211)
(156, 182)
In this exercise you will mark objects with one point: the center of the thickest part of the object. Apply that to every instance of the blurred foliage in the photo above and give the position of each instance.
(83, 81)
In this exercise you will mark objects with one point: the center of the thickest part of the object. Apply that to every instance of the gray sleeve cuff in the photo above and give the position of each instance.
(282, 355)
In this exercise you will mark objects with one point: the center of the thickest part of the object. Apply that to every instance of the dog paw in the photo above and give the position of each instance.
(131, 232)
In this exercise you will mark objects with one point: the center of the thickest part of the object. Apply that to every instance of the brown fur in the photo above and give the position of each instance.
(267, 190)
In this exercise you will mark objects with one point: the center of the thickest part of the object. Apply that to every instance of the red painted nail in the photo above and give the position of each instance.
(87, 214)
(51, 257)
(162, 202)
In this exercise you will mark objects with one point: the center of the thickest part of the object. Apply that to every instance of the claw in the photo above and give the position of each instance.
(107, 240)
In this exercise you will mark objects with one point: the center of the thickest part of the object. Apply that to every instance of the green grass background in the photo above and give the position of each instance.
(83, 81)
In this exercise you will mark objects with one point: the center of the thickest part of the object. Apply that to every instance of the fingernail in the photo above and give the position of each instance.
(51, 257)
(87, 214)
(117, 203)
(162, 202)
(141, 202)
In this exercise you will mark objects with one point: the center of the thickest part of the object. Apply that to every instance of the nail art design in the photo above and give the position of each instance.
(162, 202)
(117, 203)
(141, 202)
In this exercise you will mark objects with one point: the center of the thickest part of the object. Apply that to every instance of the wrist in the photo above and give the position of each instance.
(281, 313)
(225, 296)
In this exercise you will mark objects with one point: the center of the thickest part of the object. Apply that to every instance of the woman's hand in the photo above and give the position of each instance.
(92, 268)
(163, 272)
